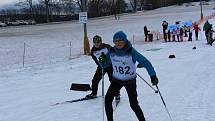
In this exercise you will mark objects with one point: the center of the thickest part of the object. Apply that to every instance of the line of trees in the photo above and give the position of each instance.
(49, 9)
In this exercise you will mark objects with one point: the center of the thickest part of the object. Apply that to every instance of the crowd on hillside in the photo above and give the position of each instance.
(183, 31)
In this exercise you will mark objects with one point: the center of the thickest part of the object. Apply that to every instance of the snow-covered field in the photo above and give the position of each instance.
(186, 82)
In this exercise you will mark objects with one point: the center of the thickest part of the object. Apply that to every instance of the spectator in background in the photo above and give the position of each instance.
(169, 36)
(173, 35)
(146, 32)
(190, 34)
(178, 34)
(210, 35)
(185, 28)
(165, 26)
(196, 29)
(206, 28)
(181, 34)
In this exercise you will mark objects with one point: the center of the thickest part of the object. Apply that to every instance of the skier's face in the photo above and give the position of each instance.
(119, 43)
(97, 44)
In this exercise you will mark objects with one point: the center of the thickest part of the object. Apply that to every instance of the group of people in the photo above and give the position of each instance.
(119, 62)
(179, 32)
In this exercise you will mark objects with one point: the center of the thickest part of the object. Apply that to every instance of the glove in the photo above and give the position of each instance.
(102, 57)
(139, 66)
(154, 80)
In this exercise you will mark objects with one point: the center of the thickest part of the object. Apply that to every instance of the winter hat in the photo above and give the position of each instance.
(97, 38)
(120, 35)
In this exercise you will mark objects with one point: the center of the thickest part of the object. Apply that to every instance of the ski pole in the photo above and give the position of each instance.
(163, 102)
(103, 101)
(156, 91)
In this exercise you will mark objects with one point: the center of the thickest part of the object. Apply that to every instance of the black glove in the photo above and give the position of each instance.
(154, 80)
(139, 66)
(102, 57)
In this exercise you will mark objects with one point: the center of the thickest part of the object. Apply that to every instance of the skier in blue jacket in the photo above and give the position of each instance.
(123, 58)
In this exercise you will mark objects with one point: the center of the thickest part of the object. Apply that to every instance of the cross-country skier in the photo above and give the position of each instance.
(96, 51)
(123, 57)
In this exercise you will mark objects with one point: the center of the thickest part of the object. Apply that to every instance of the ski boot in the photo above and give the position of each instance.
(91, 96)
(117, 99)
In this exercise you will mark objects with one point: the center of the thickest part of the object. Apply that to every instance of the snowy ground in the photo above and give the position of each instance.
(186, 82)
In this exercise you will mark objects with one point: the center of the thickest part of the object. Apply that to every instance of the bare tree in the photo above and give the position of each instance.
(82, 4)
(94, 8)
(134, 5)
(68, 6)
(27, 4)
(47, 10)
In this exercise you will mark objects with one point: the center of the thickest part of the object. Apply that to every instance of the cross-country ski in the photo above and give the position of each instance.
(72, 101)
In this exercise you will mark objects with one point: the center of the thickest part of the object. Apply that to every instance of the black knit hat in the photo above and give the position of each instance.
(97, 38)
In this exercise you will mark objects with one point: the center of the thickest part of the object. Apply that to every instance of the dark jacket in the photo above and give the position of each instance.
(94, 49)
(146, 30)
(206, 26)
(165, 25)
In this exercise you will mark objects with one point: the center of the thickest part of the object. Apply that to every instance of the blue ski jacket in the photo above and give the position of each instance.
(136, 57)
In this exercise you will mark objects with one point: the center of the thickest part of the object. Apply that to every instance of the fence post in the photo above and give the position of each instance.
(23, 59)
(70, 50)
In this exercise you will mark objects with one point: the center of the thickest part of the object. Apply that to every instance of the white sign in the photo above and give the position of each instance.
(83, 17)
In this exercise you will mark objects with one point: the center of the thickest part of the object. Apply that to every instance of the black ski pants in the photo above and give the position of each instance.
(196, 34)
(130, 87)
(164, 35)
(98, 76)
(207, 35)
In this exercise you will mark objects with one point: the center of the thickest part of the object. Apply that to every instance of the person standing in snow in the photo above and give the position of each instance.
(165, 26)
(190, 34)
(123, 58)
(181, 34)
(196, 29)
(178, 34)
(96, 51)
(206, 28)
(146, 33)
(169, 36)
(210, 35)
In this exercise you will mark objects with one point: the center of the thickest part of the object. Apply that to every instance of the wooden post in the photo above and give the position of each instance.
(201, 16)
(70, 50)
(86, 41)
